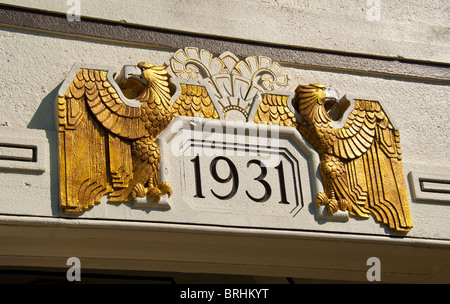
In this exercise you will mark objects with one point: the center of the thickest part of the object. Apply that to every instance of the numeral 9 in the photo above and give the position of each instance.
(233, 175)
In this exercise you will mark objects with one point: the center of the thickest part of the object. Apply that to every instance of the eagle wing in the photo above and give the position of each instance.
(104, 102)
(194, 100)
(95, 129)
(274, 108)
(369, 146)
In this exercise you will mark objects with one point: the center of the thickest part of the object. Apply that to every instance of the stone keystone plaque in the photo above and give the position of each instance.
(243, 169)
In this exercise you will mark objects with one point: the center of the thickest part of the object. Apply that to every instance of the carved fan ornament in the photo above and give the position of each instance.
(111, 126)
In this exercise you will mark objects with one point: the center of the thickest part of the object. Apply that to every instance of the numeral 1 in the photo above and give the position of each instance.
(282, 183)
(198, 177)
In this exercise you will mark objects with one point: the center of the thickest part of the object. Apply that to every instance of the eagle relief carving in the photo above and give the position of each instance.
(107, 145)
(108, 127)
(360, 163)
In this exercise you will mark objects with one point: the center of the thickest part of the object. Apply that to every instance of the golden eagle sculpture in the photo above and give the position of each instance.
(107, 142)
(360, 163)
(108, 128)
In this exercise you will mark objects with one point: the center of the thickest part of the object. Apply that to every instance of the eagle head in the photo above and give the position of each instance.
(315, 99)
(138, 81)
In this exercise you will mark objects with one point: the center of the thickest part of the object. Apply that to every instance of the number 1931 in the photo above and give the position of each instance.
(233, 177)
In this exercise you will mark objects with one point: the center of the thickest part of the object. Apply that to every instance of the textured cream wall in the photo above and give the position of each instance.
(409, 29)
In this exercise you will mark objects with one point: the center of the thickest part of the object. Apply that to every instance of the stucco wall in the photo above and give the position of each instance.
(409, 29)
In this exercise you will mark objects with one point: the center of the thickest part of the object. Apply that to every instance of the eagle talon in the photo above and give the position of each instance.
(139, 191)
(322, 199)
(165, 187)
(154, 194)
(332, 206)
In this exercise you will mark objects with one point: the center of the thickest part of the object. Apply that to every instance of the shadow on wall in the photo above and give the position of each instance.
(45, 119)
(45, 116)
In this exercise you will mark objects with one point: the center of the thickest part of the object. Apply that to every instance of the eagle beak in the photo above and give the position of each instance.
(330, 102)
(131, 81)
(331, 98)
(130, 72)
